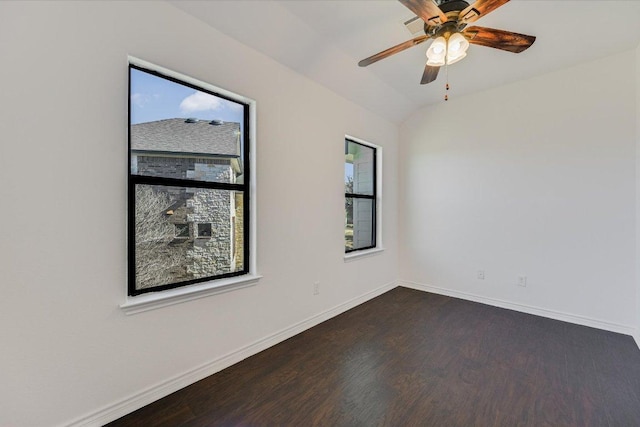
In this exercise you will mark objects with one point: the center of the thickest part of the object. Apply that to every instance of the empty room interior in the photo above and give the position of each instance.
(346, 223)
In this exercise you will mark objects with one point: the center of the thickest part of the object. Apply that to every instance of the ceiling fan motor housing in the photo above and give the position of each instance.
(451, 9)
(453, 5)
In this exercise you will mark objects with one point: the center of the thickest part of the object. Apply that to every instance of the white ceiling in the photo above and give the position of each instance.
(325, 39)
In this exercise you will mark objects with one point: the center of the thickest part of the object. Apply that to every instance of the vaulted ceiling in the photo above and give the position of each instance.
(325, 39)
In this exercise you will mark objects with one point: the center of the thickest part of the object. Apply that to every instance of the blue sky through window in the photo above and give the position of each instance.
(154, 98)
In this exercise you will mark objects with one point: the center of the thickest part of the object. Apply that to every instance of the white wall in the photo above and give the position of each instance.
(67, 349)
(534, 178)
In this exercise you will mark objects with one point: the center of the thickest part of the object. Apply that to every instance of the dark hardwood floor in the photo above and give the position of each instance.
(409, 358)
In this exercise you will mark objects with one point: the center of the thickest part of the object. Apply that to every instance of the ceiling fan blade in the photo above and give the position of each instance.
(479, 9)
(498, 39)
(392, 50)
(429, 75)
(426, 10)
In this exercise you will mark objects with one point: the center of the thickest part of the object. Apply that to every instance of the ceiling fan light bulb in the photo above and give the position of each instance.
(458, 43)
(437, 50)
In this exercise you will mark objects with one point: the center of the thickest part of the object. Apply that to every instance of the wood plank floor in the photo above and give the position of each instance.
(409, 358)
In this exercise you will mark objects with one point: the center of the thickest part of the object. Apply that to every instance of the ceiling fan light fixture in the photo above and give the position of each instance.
(453, 58)
(437, 52)
(457, 47)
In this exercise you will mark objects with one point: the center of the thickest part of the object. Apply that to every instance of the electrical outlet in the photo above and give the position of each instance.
(480, 274)
(316, 288)
(522, 281)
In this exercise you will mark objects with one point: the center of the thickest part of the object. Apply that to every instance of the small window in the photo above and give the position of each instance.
(182, 231)
(204, 230)
(360, 173)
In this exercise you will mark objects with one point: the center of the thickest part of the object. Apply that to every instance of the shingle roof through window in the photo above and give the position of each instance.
(180, 136)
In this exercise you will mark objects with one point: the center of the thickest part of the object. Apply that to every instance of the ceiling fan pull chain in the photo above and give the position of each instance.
(446, 94)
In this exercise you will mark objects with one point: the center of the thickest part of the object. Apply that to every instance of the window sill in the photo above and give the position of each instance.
(362, 254)
(154, 300)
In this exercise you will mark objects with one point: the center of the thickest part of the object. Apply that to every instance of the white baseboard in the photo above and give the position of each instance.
(543, 312)
(138, 400)
(636, 337)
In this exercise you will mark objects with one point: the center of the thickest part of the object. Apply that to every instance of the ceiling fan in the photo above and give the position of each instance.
(446, 23)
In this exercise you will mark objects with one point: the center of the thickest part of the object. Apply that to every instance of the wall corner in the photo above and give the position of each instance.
(637, 74)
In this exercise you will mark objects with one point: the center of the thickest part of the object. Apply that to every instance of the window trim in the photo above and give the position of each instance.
(153, 300)
(377, 198)
(211, 285)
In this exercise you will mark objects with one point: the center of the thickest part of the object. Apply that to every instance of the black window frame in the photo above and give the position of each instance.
(373, 197)
(133, 180)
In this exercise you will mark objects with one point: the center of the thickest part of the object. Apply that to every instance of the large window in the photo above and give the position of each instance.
(188, 182)
(360, 182)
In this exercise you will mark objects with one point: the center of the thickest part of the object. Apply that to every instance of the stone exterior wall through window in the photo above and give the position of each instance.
(200, 208)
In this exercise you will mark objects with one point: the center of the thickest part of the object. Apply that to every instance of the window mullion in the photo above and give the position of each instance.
(177, 182)
(359, 196)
